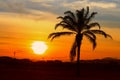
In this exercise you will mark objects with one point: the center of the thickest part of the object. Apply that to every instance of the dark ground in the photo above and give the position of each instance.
(14, 69)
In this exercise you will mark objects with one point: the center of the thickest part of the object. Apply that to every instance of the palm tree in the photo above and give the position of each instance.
(80, 24)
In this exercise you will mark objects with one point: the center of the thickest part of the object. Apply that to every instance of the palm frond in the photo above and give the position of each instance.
(63, 19)
(66, 26)
(70, 13)
(73, 51)
(80, 15)
(60, 17)
(70, 19)
(66, 21)
(87, 12)
(101, 33)
(92, 40)
(93, 25)
(58, 34)
(88, 32)
(90, 17)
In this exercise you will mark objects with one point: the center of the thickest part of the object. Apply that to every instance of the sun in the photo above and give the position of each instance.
(39, 47)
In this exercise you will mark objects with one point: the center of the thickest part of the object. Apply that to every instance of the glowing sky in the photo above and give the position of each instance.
(25, 21)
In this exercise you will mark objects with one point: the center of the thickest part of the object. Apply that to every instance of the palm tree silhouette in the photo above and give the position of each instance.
(80, 24)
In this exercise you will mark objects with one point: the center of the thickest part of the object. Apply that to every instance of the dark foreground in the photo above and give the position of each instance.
(14, 69)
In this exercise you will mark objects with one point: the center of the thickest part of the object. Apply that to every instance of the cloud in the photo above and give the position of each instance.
(47, 5)
(42, 15)
(42, 0)
(75, 4)
(14, 6)
(52, 6)
(49, 9)
(105, 5)
(84, 3)
(27, 8)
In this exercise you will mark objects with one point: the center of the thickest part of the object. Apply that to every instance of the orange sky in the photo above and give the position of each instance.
(22, 32)
(19, 31)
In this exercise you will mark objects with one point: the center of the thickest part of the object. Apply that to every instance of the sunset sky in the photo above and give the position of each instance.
(24, 21)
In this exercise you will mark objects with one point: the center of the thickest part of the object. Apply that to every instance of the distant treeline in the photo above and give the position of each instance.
(10, 60)
(97, 64)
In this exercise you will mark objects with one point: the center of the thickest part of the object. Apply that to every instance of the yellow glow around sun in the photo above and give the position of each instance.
(39, 47)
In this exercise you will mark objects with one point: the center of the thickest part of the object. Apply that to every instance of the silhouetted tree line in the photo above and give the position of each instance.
(12, 61)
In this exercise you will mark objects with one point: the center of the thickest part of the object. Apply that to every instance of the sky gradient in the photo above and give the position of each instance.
(25, 21)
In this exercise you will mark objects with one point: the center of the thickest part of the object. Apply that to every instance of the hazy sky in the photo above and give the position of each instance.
(25, 21)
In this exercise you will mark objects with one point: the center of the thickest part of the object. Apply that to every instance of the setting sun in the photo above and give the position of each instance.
(39, 47)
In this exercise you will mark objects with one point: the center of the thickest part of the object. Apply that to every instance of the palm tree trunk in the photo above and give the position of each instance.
(78, 59)
(79, 40)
